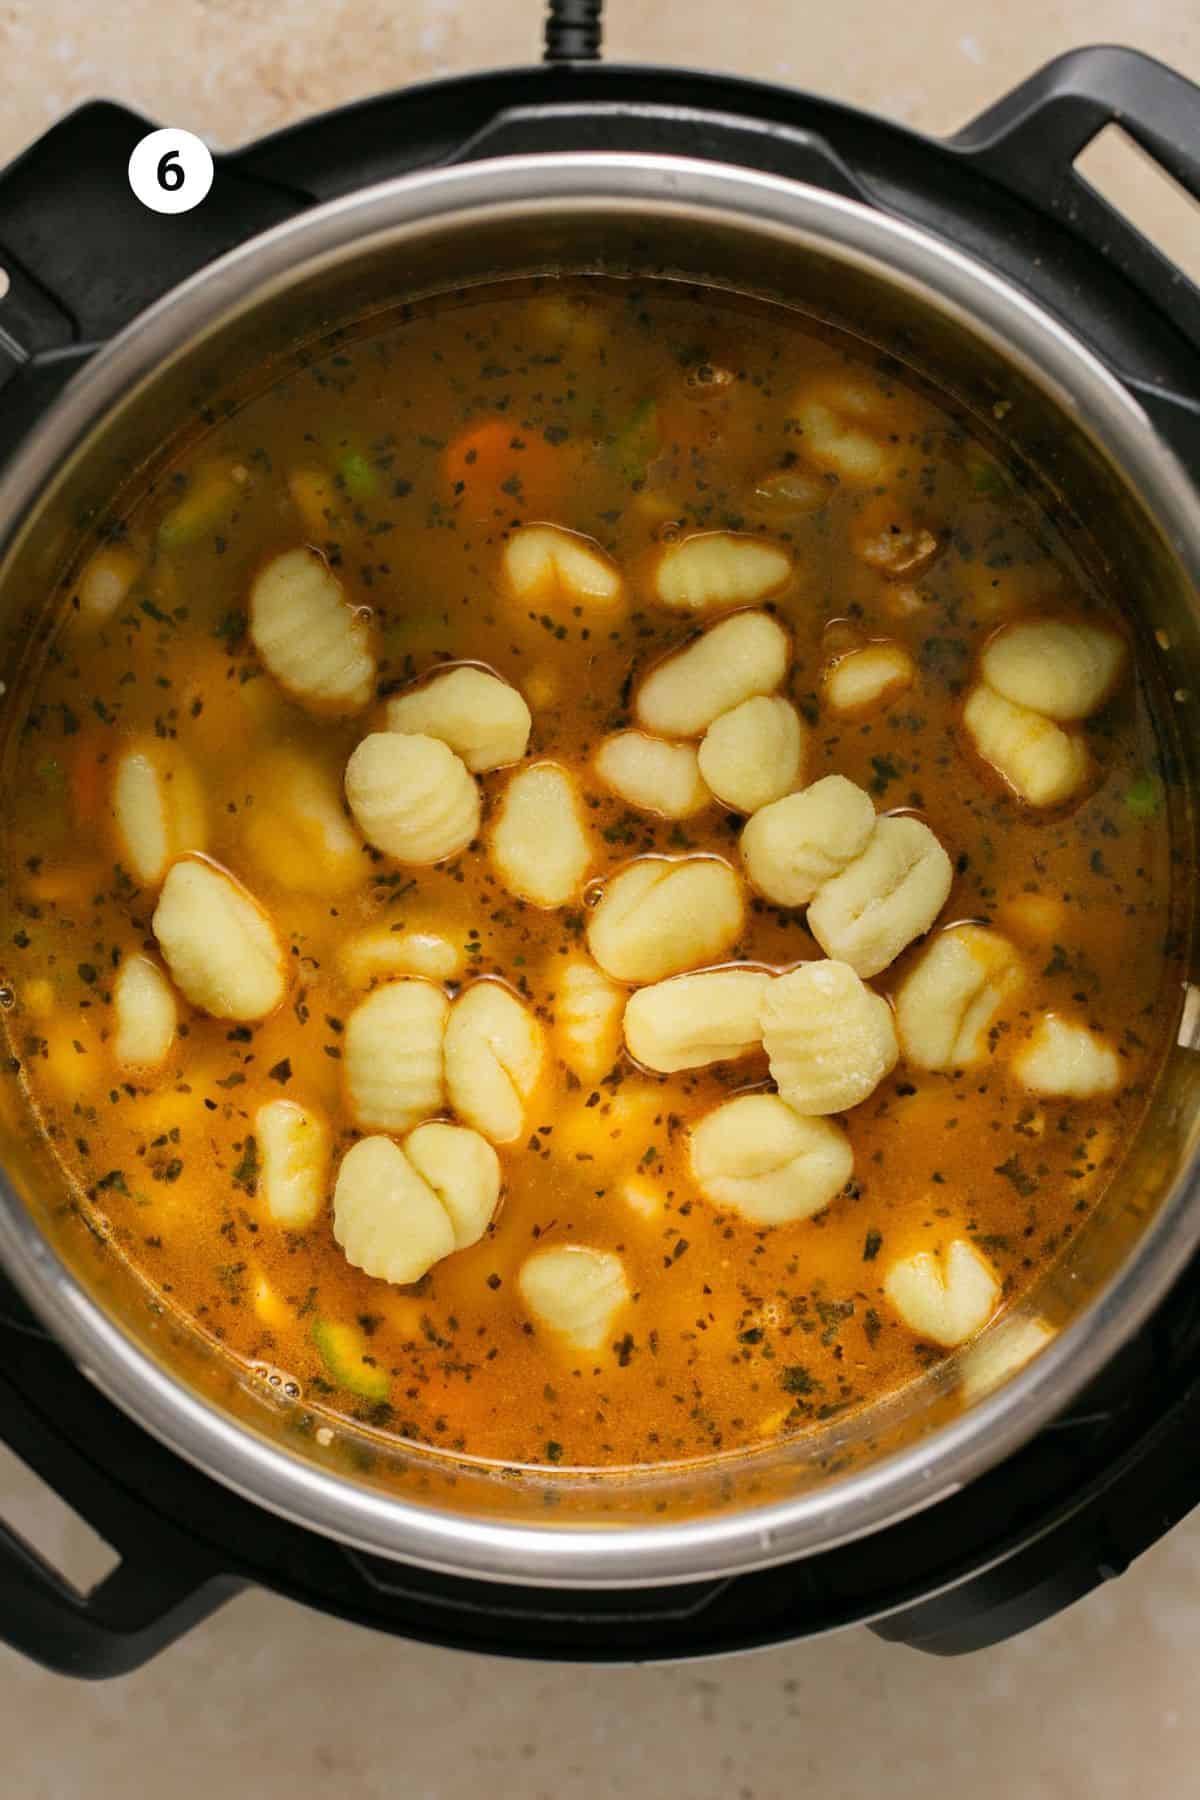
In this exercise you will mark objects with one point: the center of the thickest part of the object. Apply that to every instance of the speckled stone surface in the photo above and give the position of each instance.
(268, 1702)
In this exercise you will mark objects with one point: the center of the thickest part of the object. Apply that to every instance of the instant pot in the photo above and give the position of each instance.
(993, 1492)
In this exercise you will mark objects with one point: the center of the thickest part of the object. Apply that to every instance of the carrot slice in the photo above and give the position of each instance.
(495, 467)
(89, 779)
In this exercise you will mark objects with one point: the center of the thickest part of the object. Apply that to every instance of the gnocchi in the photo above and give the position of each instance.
(386, 1217)
(833, 419)
(692, 1020)
(867, 677)
(543, 564)
(660, 916)
(1043, 764)
(105, 581)
(830, 1040)
(890, 894)
(792, 847)
(1067, 1061)
(218, 943)
(158, 811)
(652, 774)
(751, 756)
(743, 655)
(393, 1056)
(944, 1298)
(412, 797)
(293, 1147)
(380, 951)
(145, 1012)
(296, 831)
(1064, 668)
(756, 1156)
(1000, 1353)
(484, 720)
(464, 1172)
(946, 1007)
(315, 644)
(589, 1019)
(575, 1291)
(540, 846)
(494, 1051)
(719, 568)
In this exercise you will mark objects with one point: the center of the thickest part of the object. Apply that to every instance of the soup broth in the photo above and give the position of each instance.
(177, 786)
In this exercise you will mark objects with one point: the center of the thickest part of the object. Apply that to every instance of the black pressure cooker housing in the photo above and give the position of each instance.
(1118, 1468)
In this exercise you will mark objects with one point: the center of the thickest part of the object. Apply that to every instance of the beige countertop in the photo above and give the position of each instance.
(269, 1702)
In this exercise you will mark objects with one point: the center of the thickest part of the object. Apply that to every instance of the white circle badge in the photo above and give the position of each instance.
(171, 171)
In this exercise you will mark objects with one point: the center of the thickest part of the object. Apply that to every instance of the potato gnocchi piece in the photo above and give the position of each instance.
(104, 582)
(315, 644)
(464, 1172)
(889, 895)
(158, 810)
(652, 774)
(834, 419)
(484, 720)
(1039, 916)
(540, 846)
(293, 1145)
(379, 952)
(589, 1011)
(218, 943)
(1043, 764)
(1064, 668)
(946, 1006)
(412, 797)
(693, 1020)
(1001, 1352)
(792, 847)
(297, 831)
(145, 1012)
(752, 754)
(743, 655)
(660, 916)
(393, 1055)
(868, 676)
(756, 1155)
(719, 568)
(1067, 1061)
(829, 1038)
(386, 1217)
(494, 1052)
(545, 564)
(945, 1299)
(575, 1291)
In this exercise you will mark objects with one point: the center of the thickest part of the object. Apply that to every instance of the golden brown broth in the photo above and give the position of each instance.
(735, 1333)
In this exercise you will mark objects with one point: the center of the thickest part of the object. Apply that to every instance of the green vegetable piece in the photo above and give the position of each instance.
(342, 1349)
(209, 498)
(358, 476)
(637, 442)
(1143, 797)
(988, 480)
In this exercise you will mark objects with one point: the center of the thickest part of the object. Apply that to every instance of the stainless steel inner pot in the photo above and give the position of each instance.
(1081, 434)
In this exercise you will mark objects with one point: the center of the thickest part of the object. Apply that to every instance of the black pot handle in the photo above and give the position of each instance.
(83, 256)
(1029, 141)
(166, 1581)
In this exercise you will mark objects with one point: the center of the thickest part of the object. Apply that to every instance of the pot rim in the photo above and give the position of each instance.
(849, 1506)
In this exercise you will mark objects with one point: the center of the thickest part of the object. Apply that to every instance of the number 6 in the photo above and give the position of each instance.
(170, 172)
